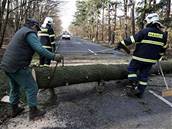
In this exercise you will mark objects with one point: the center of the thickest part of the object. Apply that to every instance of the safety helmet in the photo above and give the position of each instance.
(47, 20)
(153, 18)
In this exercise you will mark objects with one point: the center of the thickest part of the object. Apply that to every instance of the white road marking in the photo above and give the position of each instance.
(161, 98)
(92, 52)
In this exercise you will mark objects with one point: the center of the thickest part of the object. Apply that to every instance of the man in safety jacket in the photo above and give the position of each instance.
(47, 38)
(150, 45)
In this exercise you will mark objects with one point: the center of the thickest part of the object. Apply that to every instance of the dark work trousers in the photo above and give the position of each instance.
(138, 73)
(23, 78)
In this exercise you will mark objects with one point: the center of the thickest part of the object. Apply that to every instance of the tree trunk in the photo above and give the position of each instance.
(5, 24)
(114, 26)
(103, 14)
(109, 25)
(97, 28)
(168, 8)
(2, 11)
(126, 21)
(133, 18)
(144, 13)
(86, 73)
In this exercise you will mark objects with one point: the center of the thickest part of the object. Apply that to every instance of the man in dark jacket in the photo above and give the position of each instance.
(47, 38)
(15, 63)
(150, 45)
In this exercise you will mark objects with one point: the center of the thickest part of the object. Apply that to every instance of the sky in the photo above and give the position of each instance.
(67, 10)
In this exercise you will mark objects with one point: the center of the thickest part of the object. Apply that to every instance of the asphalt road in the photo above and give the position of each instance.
(80, 46)
(80, 107)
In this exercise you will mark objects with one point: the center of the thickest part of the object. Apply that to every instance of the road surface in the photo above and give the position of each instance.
(82, 52)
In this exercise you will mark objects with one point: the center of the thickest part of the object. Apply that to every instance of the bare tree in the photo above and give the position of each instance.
(132, 4)
(13, 13)
(168, 8)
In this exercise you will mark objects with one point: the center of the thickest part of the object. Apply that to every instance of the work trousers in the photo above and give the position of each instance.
(23, 78)
(138, 73)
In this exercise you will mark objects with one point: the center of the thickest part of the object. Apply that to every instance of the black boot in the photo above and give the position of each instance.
(132, 90)
(135, 93)
(16, 110)
(35, 113)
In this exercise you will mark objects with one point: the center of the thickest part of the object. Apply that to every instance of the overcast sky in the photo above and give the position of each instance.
(67, 11)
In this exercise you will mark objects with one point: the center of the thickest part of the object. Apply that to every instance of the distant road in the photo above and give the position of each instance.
(80, 46)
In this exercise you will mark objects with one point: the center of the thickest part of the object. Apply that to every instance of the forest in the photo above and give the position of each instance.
(13, 14)
(99, 20)
(112, 20)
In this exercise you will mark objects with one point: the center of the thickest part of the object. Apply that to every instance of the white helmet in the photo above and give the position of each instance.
(47, 20)
(153, 18)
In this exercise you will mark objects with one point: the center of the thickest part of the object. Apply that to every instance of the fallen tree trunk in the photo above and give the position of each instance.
(86, 73)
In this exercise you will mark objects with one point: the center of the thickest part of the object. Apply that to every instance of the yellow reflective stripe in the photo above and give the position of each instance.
(143, 83)
(122, 42)
(44, 30)
(46, 47)
(161, 58)
(132, 39)
(53, 35)
(165, 46)
(53, 42)
(45, 65)
(132, 75)
(144, 60)
(155, 35)
(161, 54)
(152, 42)
(43, 34)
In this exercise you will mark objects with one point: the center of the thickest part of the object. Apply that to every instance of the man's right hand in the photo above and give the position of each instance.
(118, 47)
(58, 57)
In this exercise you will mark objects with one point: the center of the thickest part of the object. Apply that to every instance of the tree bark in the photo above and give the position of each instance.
(103, 15)
(5, 24)
(168, 8)
(144, 13)
(86, 73)
(126, 21)
(114, 26)
(133, 17)
(109, 25)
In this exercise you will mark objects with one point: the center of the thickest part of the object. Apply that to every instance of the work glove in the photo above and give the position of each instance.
(58, 57)
(121, 46)
(118, 47)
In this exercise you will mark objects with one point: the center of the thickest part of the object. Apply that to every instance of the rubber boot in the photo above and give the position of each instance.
(135, 93)
(35, 113)
(132, 90)
(16, 110)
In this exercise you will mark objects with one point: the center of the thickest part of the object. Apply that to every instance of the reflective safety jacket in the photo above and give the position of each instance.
(47, 37)
(150, 44)
(52, 38)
